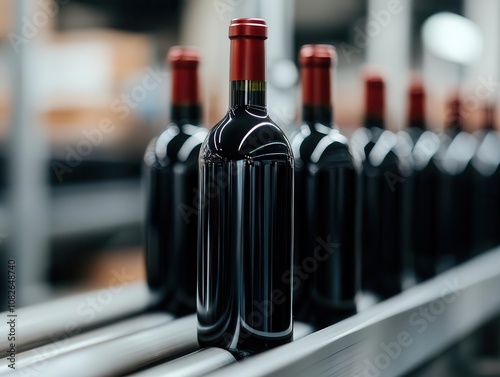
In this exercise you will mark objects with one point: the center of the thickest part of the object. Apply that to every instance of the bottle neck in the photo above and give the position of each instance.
(247, 72)
(312, 114)
(454, 119)
(374, 121)
(316, 94)
(417, 123)
(182, 114)
(185, 108)
(247, 93)
(374, 104)
(416, 110)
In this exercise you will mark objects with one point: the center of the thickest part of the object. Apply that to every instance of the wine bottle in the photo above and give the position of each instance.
(170, 178)
(379, 197)
(325, 260)
(245, 251)
(423, 228)
(455, 191)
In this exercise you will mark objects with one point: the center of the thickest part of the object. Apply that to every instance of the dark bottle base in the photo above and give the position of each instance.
(302, 311)
(254, 342)
(249, 343)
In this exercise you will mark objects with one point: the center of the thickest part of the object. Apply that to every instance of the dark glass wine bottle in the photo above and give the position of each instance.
(325, 260)
(423, 226)
(455, 190)
(380, 197)
(245, 247)
(170, 179)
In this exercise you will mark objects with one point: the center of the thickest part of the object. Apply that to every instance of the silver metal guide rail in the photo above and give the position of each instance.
(195, 364)
(390, 338)
(204, 361)
(65, 344)
(395, 336)
(123, 355)
(41, 324)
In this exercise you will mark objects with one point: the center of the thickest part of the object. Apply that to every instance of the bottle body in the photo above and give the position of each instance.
(170, 178)
(381, 198)
(246, 234)
(326, 276)
(331, 199)
(304, 143)
(424, 226)
(455, 190)
(486, 218)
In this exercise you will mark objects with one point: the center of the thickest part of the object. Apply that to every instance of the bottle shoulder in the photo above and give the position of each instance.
(246, 133)
(384, 152)
(178, 144)
(458, 154)
(320, 143)
(487, 158)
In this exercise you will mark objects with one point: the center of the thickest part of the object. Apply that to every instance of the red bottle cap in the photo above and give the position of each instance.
(316, 62)
(374, 95)
(318, 55)
(248, 27)
(416, 112)
(248, 59)
(184, 62)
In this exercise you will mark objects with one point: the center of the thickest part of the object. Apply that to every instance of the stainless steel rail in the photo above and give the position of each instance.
(204, 361)
(387, 339)
(395, 336)
(41, 324)
(123, 355)
(193, 365)
(67, 344)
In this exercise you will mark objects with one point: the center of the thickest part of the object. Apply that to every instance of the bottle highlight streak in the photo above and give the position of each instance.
(246, 213)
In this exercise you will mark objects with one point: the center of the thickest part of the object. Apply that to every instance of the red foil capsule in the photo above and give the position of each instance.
(184, 62)
(374, 96)
(247, 49)
(316, 62)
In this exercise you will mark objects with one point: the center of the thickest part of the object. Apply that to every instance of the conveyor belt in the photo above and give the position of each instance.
(389, 339)
(65, 344)
(40, 324)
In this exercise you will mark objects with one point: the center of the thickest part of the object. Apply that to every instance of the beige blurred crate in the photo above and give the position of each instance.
(129, 52)
(114, 58)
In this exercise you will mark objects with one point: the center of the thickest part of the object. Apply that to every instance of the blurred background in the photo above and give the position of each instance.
(84, 87)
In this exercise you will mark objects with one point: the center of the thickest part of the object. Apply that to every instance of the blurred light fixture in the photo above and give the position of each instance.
(453, 38)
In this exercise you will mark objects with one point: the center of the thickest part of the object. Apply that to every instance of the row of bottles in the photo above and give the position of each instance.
(239, 221)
